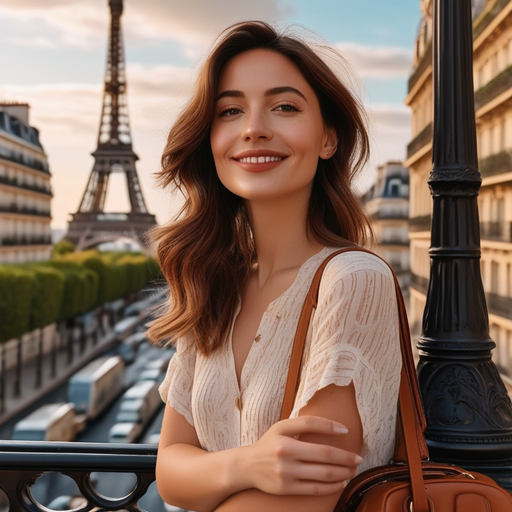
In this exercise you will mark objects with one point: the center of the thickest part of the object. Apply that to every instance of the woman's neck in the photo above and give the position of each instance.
(280, 234)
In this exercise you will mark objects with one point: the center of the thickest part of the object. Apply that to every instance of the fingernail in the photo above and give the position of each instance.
(340, 429)
(358, 459)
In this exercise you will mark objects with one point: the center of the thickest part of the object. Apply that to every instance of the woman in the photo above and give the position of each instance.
(265, 153)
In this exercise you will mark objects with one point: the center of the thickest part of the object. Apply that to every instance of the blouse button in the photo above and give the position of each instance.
(238, 403)
(258, 338)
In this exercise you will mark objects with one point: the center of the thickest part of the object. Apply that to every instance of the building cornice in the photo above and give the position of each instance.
(21, 142)
(419, 154)
(497, 20)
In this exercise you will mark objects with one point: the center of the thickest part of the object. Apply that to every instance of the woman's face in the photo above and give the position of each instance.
(267, 133)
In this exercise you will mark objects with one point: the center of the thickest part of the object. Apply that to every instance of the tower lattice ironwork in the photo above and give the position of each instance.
(91, 225)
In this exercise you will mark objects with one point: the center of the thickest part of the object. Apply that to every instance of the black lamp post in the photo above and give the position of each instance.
(468, 410)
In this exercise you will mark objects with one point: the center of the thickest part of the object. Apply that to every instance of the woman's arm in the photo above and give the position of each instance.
(279, 471)
(278, 465)
(333, 402)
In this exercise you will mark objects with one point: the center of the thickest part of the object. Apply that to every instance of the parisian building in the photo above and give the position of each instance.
(492, 67)
(25, 191)
(387, 204)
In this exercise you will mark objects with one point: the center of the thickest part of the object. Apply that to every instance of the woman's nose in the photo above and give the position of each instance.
(256, 128)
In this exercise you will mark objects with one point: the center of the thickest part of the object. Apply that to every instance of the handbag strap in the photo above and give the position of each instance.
(410, 410)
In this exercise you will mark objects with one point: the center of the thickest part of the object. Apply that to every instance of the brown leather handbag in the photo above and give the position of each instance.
(410, 483)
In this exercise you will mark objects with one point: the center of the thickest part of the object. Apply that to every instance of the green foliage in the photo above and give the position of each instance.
(34, 295)
(80, 292)
(63, 247)
(46, 296)
(16, 290)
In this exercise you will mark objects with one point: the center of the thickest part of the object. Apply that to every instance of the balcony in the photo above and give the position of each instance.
(494, 88)
(420, 223)
(499, 163)
(34, 188)
(421, 140)
(13, 208)
(27, 162)
(419, 283)
(499, 231)
(484, 21)
(499, 305)
(25, 240)
(23, 462)
(424, 63)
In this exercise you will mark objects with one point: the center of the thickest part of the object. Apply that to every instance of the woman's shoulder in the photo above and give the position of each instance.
(353, 264)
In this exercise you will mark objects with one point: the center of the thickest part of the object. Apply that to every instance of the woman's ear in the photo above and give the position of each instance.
(330, 143)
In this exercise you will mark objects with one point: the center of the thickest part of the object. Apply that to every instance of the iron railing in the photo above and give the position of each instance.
(498, 85)
(498, 163)
(22, 463)
(27, 162)
(13, 208)
(13, 182)
(34, 240)
(421, 140)
(499, 231)
(419, 283)
(424, 63)
(420, 223)
(483, 22)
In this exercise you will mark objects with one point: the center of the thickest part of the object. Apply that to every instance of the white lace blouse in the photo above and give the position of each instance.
(353, 336)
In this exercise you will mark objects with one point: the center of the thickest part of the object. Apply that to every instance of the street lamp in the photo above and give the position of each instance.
(468, 410)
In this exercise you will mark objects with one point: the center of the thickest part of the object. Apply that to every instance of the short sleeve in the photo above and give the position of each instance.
(176, 388)
(354, 337)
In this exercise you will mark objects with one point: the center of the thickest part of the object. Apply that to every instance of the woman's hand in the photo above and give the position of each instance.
(279, 463)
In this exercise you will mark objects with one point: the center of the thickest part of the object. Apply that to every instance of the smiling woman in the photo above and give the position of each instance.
(265, 154)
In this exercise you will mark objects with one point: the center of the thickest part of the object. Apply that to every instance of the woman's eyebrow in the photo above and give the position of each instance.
(269, 92)
(231, 94)
(286, 88)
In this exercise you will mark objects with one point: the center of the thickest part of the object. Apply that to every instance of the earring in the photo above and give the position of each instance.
(327, 154)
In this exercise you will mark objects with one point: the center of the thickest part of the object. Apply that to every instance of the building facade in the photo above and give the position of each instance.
(387, 204)
(492, 46)
(25, 191)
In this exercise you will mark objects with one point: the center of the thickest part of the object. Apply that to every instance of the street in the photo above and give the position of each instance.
(51, 486)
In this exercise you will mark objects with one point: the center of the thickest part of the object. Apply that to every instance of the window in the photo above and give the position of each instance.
(494, 277)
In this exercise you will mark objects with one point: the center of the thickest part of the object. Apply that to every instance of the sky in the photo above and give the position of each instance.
(54, 55)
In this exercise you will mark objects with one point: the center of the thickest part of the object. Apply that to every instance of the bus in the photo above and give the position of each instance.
(96, 385)
(51, 422)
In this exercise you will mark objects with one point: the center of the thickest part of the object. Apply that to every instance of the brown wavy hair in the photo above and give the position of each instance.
(207, 253)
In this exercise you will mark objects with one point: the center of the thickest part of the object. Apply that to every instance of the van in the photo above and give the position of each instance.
(95, 386)
(51, 422)
(139, 403)
(129, 347)
(124, 433)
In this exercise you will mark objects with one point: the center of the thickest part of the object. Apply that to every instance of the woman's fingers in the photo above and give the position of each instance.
(309, 424)
(320, 453)
(325, 473)
(309, 488)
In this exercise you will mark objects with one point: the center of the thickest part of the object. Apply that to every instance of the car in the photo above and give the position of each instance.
(67, 503)
(124, 433)
(152, 374)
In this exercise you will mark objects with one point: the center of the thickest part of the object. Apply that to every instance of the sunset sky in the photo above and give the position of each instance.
(54, 53)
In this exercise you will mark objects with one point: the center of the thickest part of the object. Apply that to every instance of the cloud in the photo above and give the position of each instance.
(33, 42)
(193, 23)
(377, 61)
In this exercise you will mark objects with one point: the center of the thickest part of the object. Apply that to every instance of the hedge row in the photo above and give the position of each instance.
(36, 294)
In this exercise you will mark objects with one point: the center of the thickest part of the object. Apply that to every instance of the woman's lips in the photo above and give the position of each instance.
(259, 163)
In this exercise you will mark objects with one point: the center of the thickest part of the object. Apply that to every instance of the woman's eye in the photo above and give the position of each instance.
(228, 112)
(287, 108)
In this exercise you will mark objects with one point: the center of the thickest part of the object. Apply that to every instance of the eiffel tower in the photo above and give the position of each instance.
(91, 225)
